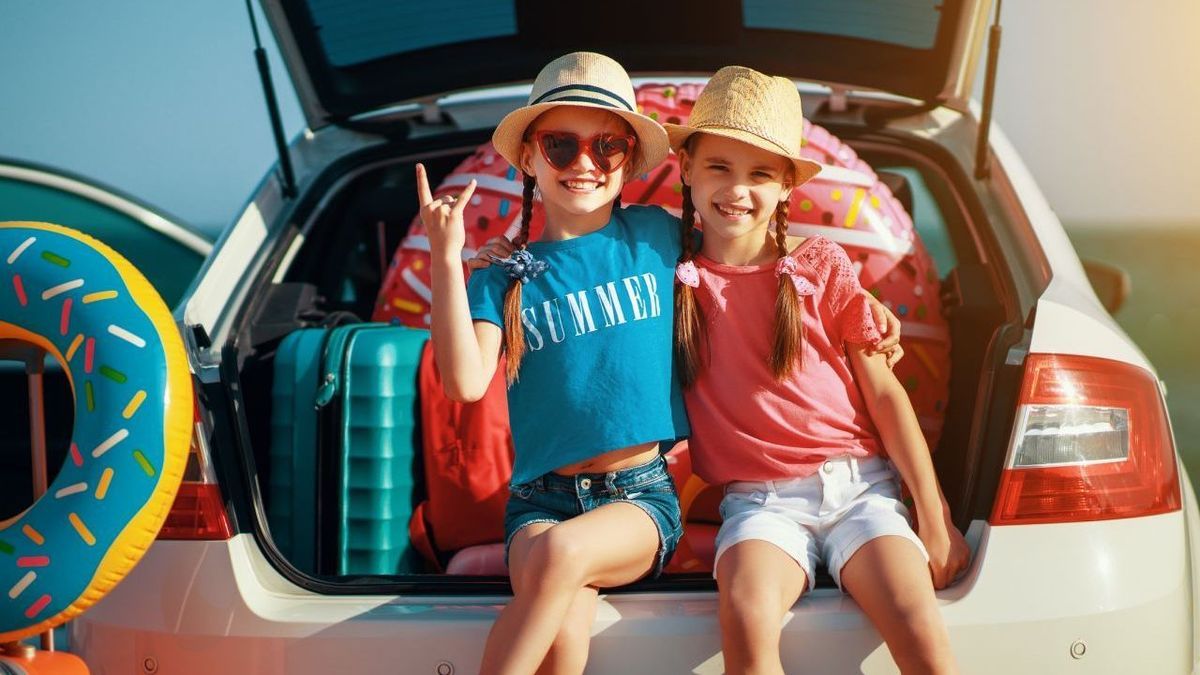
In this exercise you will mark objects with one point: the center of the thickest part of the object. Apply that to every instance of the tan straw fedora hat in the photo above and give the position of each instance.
(747, 106)
(589, 80)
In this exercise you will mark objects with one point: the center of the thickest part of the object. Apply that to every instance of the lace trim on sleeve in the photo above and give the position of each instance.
(856, 323)
(842, 293)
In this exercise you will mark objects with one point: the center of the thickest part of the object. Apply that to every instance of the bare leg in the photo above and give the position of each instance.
(758, 583)
(568, 654)
(554, 566)
(889, 579)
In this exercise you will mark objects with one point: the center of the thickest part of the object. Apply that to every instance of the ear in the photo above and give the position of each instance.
(789, 184)
(685, 166)
(526, 163)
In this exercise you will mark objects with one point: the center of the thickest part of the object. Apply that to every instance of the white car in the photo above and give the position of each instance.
(1057, 458)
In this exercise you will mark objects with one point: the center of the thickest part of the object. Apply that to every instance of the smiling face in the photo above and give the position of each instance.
(580, 195)
(736, 188)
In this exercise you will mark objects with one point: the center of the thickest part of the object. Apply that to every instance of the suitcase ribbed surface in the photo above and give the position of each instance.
(291, 507)
(376, 411)
(380, 444)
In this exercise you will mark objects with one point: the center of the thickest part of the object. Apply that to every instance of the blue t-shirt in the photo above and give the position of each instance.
(599, 366)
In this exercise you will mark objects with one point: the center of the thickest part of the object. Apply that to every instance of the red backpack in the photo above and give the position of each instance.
(468, 454)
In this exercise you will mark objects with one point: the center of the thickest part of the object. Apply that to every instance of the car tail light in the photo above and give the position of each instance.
(199, 510)
(1091, 442)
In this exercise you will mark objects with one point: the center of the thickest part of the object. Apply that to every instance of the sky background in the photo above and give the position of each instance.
(162, 100)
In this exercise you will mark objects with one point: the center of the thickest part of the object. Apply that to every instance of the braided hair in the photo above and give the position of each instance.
(789, 328)
(514, 336)
(689, 318)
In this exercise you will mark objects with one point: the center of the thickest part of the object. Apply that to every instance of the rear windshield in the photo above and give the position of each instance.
(908, 23)
(353, 31)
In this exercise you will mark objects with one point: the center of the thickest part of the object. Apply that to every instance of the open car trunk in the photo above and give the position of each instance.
(333, 260)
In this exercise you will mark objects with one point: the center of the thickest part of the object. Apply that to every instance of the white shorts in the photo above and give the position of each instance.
(826, 516)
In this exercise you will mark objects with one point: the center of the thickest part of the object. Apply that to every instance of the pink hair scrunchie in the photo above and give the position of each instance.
(787, 265)
(687, 274)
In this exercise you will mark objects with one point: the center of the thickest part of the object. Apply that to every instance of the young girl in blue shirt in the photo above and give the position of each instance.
(584, 318)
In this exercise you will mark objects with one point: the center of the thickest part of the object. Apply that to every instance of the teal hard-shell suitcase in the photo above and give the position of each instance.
(291, 493)
(345, 442)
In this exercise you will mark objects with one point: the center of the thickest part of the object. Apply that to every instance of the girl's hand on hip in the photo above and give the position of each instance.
(443, 217)
(496, 247)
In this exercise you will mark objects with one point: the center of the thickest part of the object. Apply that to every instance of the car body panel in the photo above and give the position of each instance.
(1069, 323)
(1030, 594)
(1192, 517)
(166, 251)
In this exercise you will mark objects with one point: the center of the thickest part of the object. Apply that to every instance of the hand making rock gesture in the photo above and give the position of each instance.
(443, 217)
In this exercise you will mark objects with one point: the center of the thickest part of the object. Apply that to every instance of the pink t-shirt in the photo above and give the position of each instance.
(746, 425)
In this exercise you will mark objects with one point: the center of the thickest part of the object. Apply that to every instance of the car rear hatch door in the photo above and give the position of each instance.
(348, 57)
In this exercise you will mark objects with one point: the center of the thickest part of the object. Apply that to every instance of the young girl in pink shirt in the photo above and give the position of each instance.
(788, 411)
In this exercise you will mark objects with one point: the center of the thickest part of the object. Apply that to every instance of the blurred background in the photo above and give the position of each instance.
(161, 100)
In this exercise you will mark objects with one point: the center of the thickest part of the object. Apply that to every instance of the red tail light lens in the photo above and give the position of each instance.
(1091, 442)
(199, 511)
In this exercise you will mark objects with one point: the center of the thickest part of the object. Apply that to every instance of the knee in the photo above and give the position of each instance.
(554, 560)
(750, 605)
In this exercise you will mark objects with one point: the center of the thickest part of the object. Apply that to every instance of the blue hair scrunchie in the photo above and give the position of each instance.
(522, 266)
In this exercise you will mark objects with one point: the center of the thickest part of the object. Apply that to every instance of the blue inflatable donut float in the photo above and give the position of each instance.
(83, 303)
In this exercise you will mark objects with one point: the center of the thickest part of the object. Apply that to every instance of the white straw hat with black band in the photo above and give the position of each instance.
(589, 80)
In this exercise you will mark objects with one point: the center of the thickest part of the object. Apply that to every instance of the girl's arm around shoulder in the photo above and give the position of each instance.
(893, 415)
(466, 351)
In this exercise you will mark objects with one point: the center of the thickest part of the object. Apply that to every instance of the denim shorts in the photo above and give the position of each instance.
(553, 498)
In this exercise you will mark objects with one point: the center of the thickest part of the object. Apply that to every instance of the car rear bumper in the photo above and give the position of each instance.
(1121, 589)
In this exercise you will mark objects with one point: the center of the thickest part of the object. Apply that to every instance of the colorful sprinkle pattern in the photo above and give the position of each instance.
(50, 555)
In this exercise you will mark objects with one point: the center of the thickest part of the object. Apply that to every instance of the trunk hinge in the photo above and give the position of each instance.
(837, 99)
(264, 72)
(982, 169)
(431, 112)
